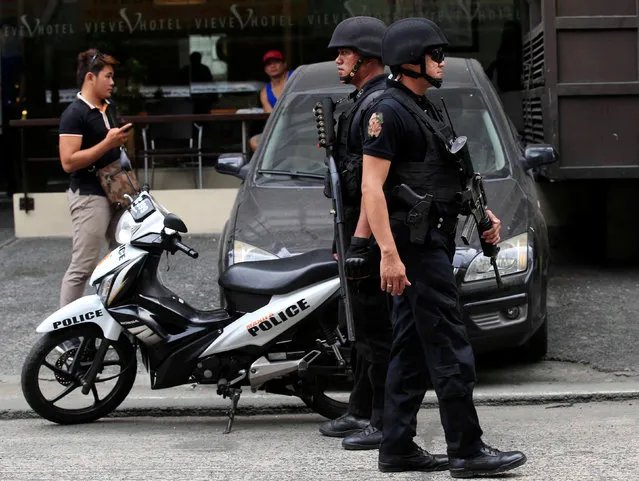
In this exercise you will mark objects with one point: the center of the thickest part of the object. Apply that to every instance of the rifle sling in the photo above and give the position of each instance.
(424, 120)
(422, 117)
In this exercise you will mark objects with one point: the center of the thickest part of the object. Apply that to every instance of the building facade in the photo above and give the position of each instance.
(153, 40)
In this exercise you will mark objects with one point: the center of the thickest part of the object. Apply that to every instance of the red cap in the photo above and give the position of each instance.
(276, 54)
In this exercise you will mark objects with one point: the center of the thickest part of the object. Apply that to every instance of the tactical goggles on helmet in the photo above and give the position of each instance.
(437, 54)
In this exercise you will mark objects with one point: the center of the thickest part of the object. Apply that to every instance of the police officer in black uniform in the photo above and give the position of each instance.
(404, 145)
(358, 41)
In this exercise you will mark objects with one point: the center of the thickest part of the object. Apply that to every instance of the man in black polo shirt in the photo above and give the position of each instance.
(89, 140)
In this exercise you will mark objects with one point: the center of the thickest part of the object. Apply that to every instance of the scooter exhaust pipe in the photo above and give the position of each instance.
(263, 370)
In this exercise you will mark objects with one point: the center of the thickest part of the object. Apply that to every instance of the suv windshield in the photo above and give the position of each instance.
(470, 117)
(292, 146)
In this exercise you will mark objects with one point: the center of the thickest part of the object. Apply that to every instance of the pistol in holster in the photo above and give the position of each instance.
(417, 217)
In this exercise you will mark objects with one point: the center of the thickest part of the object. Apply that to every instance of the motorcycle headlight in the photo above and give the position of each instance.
(243, 252)
(105, 288)
(512, 258)
(126, 228)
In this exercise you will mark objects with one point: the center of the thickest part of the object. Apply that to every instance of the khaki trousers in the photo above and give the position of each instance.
(93, 221)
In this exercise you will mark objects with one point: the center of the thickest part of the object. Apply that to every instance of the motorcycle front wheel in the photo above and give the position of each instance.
(53, 372)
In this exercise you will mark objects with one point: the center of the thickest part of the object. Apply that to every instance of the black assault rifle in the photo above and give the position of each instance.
(472, 198)
(324, 112)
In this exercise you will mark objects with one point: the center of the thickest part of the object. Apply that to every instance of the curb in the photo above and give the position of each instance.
(559, 399)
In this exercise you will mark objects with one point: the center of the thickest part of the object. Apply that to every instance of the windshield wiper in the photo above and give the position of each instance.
(292, 173)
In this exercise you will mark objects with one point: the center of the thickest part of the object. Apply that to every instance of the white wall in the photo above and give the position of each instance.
(203, 210)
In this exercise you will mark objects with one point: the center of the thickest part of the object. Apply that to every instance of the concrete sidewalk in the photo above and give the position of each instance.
(202, 400)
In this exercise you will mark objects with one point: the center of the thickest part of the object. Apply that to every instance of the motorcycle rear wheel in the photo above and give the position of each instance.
(55, 354)
(319, 401)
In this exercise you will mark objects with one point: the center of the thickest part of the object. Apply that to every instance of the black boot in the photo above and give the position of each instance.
(415, 460)
(343, 426)
(369, 438)
(486, 462)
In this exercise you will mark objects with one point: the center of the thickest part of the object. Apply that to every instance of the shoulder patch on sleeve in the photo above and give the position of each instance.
(375, 125)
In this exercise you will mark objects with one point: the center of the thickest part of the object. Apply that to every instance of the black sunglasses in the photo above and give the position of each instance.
(437, 54)
(97, 54)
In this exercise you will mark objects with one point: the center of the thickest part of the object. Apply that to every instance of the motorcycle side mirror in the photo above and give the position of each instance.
(125, 163)
(536, 155)
(172, 221)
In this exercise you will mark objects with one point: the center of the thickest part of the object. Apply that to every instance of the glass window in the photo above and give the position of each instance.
(292, 145)
(207, 53)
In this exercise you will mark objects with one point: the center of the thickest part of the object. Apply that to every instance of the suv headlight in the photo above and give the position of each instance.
(243, 252)
(512, 258)
(105, 288)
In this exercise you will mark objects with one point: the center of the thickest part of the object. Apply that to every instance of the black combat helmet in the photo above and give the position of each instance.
(407, 41)
(362, 34)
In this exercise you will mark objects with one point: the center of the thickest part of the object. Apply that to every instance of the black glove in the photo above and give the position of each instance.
(357, 262)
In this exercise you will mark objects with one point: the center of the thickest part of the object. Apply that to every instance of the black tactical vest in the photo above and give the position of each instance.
(349, 146)
(438, 174)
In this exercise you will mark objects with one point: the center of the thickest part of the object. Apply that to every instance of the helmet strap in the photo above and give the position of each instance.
(435, 82)
(347, 78)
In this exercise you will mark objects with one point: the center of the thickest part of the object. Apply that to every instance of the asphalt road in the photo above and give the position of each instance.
(593, 311)
(596, 441)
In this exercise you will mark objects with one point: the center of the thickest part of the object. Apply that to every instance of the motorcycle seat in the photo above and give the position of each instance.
(280, 276)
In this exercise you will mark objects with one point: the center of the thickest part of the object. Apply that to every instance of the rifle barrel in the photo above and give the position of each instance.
(493, 261)
(324, 112)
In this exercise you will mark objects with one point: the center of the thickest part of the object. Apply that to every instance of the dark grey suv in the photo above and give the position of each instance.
(280, 209)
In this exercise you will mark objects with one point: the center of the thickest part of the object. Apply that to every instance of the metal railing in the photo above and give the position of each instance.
(26, 202)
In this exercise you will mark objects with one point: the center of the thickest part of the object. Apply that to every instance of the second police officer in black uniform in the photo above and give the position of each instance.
(358, 41)
(430, 343)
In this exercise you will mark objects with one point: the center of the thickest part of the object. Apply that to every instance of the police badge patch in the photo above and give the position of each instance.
(375, 125)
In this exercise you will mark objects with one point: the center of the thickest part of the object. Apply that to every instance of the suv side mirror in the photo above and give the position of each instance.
(232, 164)
(536, 155)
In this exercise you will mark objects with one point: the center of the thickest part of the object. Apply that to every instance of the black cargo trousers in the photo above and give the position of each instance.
(430, 348)
(373, 333)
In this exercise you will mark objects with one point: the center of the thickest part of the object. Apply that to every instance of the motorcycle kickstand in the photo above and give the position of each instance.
(234, 393)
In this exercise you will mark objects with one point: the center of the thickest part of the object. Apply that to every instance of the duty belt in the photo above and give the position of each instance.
(436, 220)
